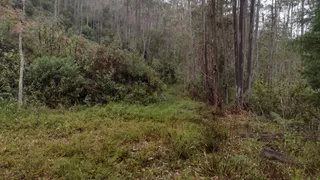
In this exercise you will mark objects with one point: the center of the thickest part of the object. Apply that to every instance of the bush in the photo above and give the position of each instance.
(115, 75)
(167, 70)
(55, 81)
(9, 64)
(264, 99)
(310, 50)
(110, 75)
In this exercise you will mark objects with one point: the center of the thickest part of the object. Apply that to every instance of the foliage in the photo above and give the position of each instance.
(310, 50)
(292, 101)
(264, 99)
(116, 74)
(9, 66)
(167, 70)
(55, 81)
(110, 142)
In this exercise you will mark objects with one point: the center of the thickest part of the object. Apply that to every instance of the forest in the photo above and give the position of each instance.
(159, 89)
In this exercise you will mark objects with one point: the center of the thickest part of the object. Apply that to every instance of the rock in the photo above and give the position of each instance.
(274, 155)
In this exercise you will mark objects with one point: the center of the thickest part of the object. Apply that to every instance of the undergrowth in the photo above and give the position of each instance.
(117, 141)
(174, 139)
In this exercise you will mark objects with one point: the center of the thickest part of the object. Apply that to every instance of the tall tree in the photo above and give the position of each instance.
(236, 51)
(257, 32)
(302, 17)
(251, 47)
(55, 10)
(214, 69)
(274, 16)
(242, 17)
(22, 61)
(205, 57)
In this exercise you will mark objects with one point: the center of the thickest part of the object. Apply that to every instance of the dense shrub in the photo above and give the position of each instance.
(55, 81)
(310, 50)
(290, 101)
(110, 75)
(9, 64)
(264, 98)
(115, 74)
(166, 70)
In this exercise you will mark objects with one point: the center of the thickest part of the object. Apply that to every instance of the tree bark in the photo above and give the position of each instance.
(241, 53)
(22, 61)
(192, 58)
(291, 23)
(236, 50)
(215, 72)
(251, 48)
(55, 10)
(205, 59)
(127, 23)
(302, 17)
(256, 34)
(226, 58)
(273, 40)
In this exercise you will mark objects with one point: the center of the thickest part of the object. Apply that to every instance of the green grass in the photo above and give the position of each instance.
(239, 158)
(173, 139)
(117, 141)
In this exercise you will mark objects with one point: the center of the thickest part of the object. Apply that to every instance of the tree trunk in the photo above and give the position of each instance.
(226, 58)
(241, 53)
(288, 15)
(256, 34)
(302, 17)
(22, 62)
(251, 48)
(236, 49)
(127, 23)
(81, 9)
(137, 14)
(291, 23)
(205, 59)
(273, 39)
(75, 11)
(55, 10)
(215, 74)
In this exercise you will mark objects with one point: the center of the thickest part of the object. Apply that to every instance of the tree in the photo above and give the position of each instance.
(214, 69)
(302, 17)
(206, 76)
(257, 31)
(236, 50)
(274, 17)
(310, 50)
(242, 19)
(22, 61)
(251, 47)
(56, 9)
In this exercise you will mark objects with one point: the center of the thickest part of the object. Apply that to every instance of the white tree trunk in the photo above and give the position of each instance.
(20, 94)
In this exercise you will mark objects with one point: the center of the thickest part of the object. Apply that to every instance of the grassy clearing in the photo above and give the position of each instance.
(117, 141)
(174, 139)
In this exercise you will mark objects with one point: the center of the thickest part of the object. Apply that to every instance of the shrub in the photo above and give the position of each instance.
(167, 70)
(88, 32)
(54, 81)
(310, 50)
(9, 64)
(115, 74)
(264, 99)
